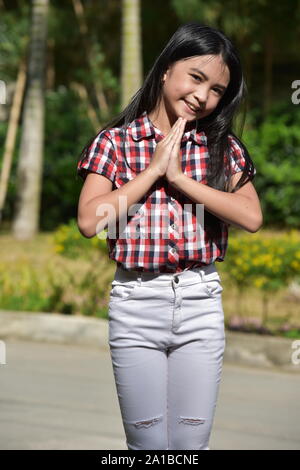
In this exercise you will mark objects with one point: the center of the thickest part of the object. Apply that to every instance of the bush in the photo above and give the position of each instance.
(267, 263)
(69, 242)
(274, 146)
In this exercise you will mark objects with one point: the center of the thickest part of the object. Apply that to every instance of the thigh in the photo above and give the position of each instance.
(194, 366)
(194, 374)
(194, 371)
(141, 382)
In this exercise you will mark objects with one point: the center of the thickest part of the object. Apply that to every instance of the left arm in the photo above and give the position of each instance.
(241, 209)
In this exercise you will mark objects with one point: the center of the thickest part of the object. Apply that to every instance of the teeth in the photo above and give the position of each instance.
(191, 106)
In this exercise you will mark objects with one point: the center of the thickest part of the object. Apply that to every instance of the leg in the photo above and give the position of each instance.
(194, 371)
(141, 383)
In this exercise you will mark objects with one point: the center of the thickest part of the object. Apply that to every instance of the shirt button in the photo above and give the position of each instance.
(173, 226)
(173, 250)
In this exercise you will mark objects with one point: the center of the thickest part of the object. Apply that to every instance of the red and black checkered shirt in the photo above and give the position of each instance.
(155, 236)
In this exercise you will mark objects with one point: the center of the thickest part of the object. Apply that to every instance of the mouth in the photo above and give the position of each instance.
(190, 108)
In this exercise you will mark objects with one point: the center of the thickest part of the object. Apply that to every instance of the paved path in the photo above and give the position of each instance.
(56, 396)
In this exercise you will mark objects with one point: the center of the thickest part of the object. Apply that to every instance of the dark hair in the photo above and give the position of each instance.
(189, 40)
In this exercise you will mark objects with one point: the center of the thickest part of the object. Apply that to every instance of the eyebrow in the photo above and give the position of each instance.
(206, 77)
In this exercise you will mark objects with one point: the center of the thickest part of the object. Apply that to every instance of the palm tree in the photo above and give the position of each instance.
(30, 163)
(131, 60)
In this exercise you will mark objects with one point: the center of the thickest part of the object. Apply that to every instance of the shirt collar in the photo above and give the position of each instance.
(142, 127)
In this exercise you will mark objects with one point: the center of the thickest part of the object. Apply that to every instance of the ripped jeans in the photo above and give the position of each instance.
(167, 340)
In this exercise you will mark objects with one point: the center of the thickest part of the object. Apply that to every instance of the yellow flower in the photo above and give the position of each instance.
(295, 264)
(259, 282)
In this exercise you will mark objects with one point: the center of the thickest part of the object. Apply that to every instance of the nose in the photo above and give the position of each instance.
(201, 96)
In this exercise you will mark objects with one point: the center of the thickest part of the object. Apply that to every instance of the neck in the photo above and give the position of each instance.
(164, 121)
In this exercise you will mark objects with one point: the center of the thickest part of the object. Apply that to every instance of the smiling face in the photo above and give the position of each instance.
(200, 81)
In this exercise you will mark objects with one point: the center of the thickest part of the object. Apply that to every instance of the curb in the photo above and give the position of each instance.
(241, 348)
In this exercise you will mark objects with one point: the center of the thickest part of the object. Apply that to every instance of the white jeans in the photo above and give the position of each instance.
(167, 340)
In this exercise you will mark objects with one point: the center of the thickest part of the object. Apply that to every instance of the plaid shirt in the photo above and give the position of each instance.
(156, 237)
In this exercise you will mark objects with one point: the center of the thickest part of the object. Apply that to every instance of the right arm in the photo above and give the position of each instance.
(97, 190)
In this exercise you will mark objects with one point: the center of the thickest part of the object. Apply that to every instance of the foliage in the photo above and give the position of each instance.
(274, 146)
(14, 37)
(265, 263)
(69, 242)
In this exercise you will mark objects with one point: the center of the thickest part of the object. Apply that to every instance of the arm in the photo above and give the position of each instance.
(97, 191)
(241, 209)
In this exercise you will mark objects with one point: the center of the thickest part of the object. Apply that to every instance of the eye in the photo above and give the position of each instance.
(197, 77)
(220, 92)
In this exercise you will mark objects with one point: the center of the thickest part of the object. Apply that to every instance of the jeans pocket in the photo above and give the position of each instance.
(121, 291)
(213, 287)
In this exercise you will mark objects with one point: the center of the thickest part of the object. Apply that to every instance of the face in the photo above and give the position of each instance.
(200, 81)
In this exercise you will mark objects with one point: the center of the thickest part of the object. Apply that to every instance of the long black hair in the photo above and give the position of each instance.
(189, 40)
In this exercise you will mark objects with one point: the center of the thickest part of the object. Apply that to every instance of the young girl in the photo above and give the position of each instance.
(148, 175)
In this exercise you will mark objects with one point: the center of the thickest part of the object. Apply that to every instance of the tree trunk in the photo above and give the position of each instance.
(11, 133)
(131, 60)
(29, 172)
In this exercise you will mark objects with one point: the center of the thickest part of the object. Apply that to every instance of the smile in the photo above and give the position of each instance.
(191, 108)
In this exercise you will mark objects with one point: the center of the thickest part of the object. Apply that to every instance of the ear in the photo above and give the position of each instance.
(165, 74)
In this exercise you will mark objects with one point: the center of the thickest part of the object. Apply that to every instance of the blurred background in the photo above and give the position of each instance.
(69, 66)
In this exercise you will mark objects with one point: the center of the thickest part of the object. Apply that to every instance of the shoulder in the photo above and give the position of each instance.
(237, 151)
(118, 134)
(236, 146)
(106, 141)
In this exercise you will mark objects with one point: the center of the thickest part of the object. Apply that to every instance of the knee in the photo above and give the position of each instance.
(191, 434)
(147, 434)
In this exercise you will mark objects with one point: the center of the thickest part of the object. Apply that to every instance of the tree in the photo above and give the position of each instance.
(30, 163)
(131, 61)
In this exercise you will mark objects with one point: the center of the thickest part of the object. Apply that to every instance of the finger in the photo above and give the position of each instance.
(177, 137)
(179, 134)
(178, 129)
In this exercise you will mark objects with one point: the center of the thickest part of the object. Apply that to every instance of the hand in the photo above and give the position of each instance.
(161, 157)
(174, 167)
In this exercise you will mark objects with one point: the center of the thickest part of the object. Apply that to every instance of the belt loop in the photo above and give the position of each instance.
(201, 273)
(139, 278)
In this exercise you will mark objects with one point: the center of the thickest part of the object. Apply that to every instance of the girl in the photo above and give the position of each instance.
(167, 156)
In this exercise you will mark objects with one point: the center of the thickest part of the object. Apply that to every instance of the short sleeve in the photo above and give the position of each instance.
(236, 156)
(100, 158)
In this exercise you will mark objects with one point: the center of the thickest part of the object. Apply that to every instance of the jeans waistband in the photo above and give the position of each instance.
(188, 276)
